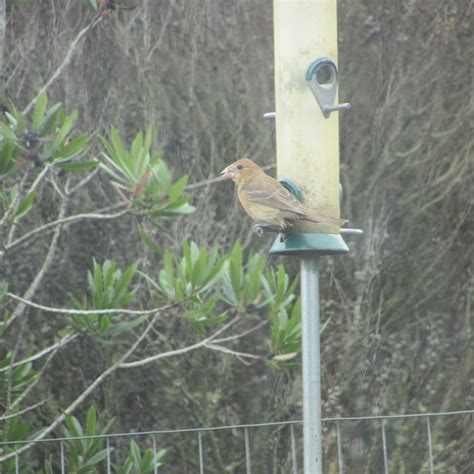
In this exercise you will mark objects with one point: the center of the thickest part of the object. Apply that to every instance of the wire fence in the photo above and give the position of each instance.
(340, 441)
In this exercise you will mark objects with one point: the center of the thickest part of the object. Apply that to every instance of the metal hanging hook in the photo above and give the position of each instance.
(322, 79)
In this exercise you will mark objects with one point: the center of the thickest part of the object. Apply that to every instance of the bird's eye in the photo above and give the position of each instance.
(239, 167)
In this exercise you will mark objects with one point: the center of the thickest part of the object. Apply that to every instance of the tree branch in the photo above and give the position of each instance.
(216, 179)
(66, 60)
(22, 412)
(64, 341)
(82, 182)
(66, 220)
(13, 205)
(98, 381)
(84, 312)
(183, 350)
(242, 334)
(35, 184)
(45, 267)
(226, 350)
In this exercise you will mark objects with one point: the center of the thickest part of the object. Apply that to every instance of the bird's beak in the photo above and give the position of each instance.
(228, 173)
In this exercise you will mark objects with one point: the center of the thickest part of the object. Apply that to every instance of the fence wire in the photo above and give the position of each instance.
(249, 451)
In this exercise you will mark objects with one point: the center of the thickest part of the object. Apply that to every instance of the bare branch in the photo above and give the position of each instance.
(242, 334)
(216, 179)
(22, 412)
(66, 61)
(164, 28)
(15, 203)
(66, 220)
(35, 184)
(30, 387)
(226, 350)
(63, 342)
(82, 182)
(205, 182)
(98, 381)
(183, 350)
(42, 272)
(83, 312)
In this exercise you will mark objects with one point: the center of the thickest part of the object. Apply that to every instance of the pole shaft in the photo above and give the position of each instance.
(311, 365)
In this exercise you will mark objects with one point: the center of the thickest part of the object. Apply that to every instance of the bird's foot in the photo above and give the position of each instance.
(284, 233)
(258, 229)
(261, 229)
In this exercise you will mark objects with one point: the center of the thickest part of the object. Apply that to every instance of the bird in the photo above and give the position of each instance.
(270, 205)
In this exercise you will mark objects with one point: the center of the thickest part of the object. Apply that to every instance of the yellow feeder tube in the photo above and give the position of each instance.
(307, 143)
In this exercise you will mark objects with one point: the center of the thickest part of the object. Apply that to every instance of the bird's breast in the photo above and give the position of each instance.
(258, 212)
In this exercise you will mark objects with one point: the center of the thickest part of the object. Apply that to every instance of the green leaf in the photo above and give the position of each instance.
(17, 119)
(81, 166)
(39, 110)
(6, 132)
(135, 454)
(150, 243)
(177, 188)
(66, 127)
(91, 421)
(11, 118)
(183, 209)
(122, 156)
(25, 205)
(75, 146)
(47, 125)
(104, 322)
(285, 357)
(6, 163)
(73, 425)
(124, 327)
(147, 461)
(324, 326)
(99, 457)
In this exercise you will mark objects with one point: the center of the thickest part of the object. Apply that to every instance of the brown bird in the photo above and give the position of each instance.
(267, 201)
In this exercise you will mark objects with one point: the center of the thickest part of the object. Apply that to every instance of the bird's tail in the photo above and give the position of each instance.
(322, 219)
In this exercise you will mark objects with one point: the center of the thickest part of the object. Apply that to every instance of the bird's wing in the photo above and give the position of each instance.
(269, 192)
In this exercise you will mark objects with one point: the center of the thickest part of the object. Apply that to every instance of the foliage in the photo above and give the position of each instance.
(190, 276)
(397, 311)
(45, 139)
(109, 289)
(145, 178)
(86, 453)
(136, 463)
(205, 288)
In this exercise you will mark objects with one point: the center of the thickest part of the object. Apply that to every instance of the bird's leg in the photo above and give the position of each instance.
(284, 233)
(261, 229)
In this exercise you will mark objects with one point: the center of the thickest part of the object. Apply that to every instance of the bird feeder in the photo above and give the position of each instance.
(307, 133)
(307, 137)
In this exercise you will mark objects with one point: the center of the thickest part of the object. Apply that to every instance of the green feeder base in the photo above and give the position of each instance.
(310, 243)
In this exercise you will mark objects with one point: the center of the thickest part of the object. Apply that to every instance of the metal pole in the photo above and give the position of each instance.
(384, 447)
(63, 463)
(340, 461)
(311, 365)
(293, 450)
(201, 454)
(430, 444)
(248, 462)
